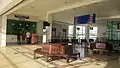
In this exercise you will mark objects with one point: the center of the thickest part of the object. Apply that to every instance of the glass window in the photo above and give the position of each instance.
(80, 31)
(70, 31)
(93, 32)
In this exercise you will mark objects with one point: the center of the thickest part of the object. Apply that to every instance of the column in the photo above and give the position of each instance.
(3, 24)
(40, 31)
(74, 31)
(49, 29)
(82, 49)
(74, 35)
(87, 32)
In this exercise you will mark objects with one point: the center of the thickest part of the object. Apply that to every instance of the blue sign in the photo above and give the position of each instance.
(85, 19)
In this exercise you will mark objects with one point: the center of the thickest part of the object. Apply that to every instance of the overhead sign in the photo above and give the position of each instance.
(85, 19)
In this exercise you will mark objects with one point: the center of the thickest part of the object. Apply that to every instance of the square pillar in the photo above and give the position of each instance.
(87, 32)
(3, 26)
(40, 31)
(49, 29)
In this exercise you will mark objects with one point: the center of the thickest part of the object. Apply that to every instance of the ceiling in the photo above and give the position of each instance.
(103, 10)
(39, 7)
(6, 5)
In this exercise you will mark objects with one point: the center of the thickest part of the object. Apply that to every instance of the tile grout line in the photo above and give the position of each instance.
(13, 64)
(52, 62)
(30, 58)
(43, 60)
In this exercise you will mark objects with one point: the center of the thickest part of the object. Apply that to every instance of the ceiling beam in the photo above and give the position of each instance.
(61, 22)
(13, 6)
(110, 17)
(10, 6)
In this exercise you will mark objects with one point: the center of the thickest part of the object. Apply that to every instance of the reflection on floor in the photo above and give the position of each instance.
(22, 57)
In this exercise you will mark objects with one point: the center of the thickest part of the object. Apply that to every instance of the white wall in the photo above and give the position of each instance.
(59, 28)
(11, 38)
(66, 16)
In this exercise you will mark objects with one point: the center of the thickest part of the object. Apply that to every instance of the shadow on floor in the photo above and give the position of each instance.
(114, 62)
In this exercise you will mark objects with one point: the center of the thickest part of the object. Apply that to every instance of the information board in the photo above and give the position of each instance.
(85, 19)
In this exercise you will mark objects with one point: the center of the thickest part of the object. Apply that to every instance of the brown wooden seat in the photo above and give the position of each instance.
(50, 50)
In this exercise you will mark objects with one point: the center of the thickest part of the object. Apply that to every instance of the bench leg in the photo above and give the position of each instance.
(79, 56)
(34, 55)
(67, 58)
(46, 58)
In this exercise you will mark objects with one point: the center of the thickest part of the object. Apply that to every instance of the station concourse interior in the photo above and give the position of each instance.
(85, 31)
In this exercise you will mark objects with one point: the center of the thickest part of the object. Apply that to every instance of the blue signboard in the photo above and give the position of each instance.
(85, 19)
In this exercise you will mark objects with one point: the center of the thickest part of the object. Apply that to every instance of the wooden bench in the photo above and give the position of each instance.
(50, 50)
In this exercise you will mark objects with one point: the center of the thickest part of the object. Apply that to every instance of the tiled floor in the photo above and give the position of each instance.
(22, 57)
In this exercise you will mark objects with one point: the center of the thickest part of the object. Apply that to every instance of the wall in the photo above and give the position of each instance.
(39, 25)
(59, 28)
(65, 16)
(10, 39)
(18, 26)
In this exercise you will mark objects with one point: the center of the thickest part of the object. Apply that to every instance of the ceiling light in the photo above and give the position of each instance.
(30, 7)
(66, 2)
(44, 30)
(20, 24)
(13, 24)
